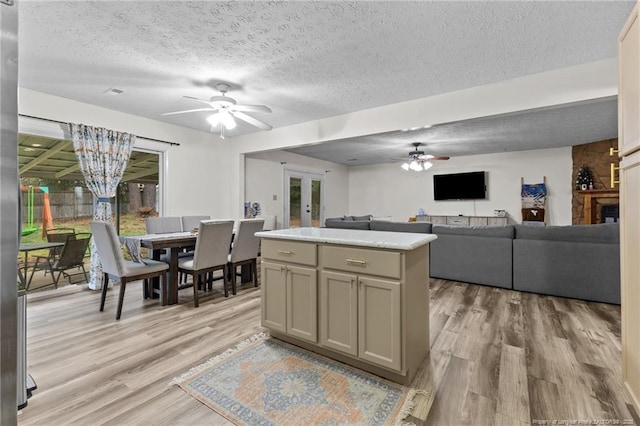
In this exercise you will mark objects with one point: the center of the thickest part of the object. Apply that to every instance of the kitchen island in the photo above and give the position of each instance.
(360, 297)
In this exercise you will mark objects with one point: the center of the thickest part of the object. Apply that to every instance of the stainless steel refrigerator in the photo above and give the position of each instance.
(9, 223)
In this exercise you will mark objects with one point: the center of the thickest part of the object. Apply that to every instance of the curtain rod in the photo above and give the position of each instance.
(63, 122)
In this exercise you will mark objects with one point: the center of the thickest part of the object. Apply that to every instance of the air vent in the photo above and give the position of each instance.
(113, 91)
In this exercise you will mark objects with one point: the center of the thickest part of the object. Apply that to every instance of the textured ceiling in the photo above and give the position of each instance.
(305, 60)
(547, 128)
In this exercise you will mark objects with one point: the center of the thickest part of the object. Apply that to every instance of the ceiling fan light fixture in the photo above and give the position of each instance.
(405, 166)
(427, 165)
(227, 120)
(214, 119)
(223, 118)
(415, 166)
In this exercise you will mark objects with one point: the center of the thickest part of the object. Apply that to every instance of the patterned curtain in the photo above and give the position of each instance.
(103, 155)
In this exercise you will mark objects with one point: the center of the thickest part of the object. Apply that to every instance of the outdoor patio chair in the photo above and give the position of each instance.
(58, 235)
(210, 255)
(81, 235)
(245, 248)
(72, 256)
(113, 263)
(43, 262)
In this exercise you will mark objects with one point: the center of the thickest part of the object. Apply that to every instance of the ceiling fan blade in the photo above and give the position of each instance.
(188, 110)
(251, 108)
(197, 99)
(429, 157)
(255, 122)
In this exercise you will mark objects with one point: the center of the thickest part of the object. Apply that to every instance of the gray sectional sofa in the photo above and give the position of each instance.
(579, 261)
(480, 255)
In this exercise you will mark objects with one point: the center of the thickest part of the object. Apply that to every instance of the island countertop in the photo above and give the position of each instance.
(353, 237)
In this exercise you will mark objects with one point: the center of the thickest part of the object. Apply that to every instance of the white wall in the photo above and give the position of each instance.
(572, 84)
(387, 190)
(196, 177)
(264, 178)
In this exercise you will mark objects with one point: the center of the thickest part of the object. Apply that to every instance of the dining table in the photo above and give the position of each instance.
(175, 242)
(26, 248)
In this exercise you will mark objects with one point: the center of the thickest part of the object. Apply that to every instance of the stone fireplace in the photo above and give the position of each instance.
(609, 213)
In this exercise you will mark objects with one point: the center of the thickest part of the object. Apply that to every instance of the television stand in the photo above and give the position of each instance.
(464, 220)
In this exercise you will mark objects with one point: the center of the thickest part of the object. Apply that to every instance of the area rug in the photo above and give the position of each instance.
(264, 381)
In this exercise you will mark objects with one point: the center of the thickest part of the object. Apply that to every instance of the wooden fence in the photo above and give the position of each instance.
(65, 205)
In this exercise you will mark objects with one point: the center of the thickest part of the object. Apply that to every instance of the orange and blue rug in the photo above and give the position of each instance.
(264, 381)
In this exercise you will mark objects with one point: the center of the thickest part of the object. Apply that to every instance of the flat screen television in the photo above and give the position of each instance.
(459, 186)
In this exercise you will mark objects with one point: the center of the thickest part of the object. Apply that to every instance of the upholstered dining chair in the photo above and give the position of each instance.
(163, 225)
(270, 222)
(114, 264)
(189, 223)
(245, 249)
(193, 222)
(212, 250)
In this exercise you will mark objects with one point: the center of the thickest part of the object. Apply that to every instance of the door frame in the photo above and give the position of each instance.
(306, 176)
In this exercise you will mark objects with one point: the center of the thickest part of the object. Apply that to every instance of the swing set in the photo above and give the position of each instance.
(47, 217)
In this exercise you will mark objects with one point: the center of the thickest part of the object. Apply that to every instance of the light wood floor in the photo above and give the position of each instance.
(498, 357)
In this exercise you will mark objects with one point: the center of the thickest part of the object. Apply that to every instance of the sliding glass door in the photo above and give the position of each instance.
(303, 199)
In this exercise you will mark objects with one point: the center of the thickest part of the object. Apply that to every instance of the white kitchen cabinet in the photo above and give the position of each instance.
(371, 305)
(629, 149)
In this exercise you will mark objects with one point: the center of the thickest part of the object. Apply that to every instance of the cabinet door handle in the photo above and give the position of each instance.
(352, 282)
(614, 181)
(356, 261)
(284, 252)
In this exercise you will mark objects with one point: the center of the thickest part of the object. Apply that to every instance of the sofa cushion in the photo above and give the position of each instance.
(601, 233)
(472, 259)
(365, 217)
(580, 270)
(347, 224)
(384, 225)
(475, 231)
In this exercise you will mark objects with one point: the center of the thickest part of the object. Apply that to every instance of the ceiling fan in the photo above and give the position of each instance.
(418, 160)
(226, 110)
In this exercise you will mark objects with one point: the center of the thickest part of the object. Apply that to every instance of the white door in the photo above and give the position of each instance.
(303, 199)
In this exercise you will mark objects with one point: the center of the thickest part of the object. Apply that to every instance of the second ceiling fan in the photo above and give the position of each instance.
(418, 160)
(225, 110)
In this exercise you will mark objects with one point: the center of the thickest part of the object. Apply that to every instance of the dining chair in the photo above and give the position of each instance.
(163, 225)
(244, 250)
(210, 254)
(114, 264)
(270, 222)
(193, 222)
(189, 223)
